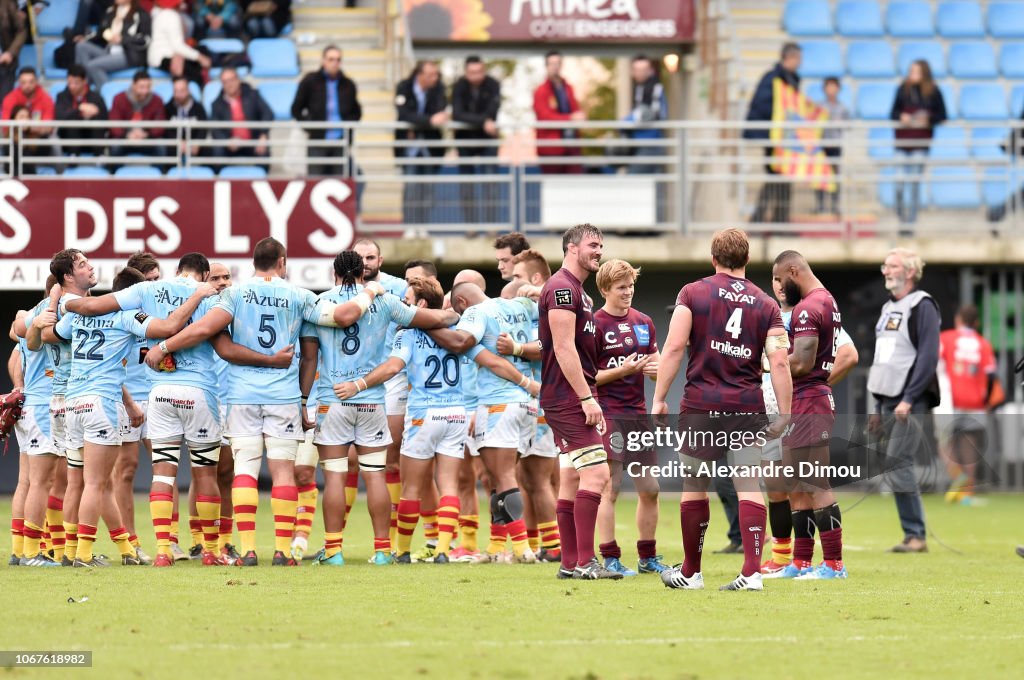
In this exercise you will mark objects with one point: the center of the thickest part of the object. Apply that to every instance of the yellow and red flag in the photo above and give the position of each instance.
(798, 151)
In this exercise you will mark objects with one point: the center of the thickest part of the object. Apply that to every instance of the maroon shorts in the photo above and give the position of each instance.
(570, 429)
(622, 439)
(710, 435)
(813, 418)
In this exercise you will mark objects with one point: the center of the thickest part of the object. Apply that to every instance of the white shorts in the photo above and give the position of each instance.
(469, 441)
(223, 410)
(543, 443)
(58, 427)
(94, 419)
(397, 395)
(307, 453)
(131, 434)
(360, 424)
(34, 434)
(432, 431)
(505, 426)
(183, 412)
(283, 421)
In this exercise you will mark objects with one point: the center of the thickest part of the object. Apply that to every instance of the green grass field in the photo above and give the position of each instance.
(941, 614)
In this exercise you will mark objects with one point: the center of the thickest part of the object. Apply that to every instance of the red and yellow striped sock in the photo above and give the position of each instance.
(497, 542)
(120, 538)
(549, 538)
(381, 544)
(394, 483)
(208, 508)
(70, 540)
(55, 525)
(351, 491)
(43, 547)
(86, 538)
(174, 526)
(224, 529)
(468, 525)
(245, 498)
(33, 534)
(306, 510)
(134, 540)
(447, 522)
(195, 528)
(283, 501)
(408, 516)
(430, 526)
(18, 536)
(533, 538)
(160, 505)
(782, 550)
(332, 543)
(517, 534)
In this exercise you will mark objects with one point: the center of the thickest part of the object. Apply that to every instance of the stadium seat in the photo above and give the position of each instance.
(807, 18)
(821, 58)
(279, 95)
(815, 91)
(1017, 102)
(243, 172)
(973, 60)
(165, 90)
(28, 57)
(210, 92)
(909, 19)
(880, 143)
(56, 88)
(54, 19)
(144, 171)
(996, 186)
(960, 20)
(111, 89)
(273, 58)
(50, 70)
(1006, 19)
(983, 102)
(949, 143)
(949, 100)
(987, 143)
(1011, 60)
(223, 45)
(870, 59)
(954, 188)
(874, 100)
(859, 19)
(929, 51)
(191, 172)
(86, 171)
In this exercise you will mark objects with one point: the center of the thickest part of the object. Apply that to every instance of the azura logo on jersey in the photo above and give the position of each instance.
(254, 298)
(164, 296)
(729, 349)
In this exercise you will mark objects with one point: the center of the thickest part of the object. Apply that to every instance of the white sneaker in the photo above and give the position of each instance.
(143, 557)
(673, 578)
(177, 553)
(528, 557)
(741, 582)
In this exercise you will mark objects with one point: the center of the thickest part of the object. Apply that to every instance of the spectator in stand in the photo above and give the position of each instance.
(217, 19)
(239, 102)
(476, 98)
(918, 107)
(13, 33)
(649, 106)
(837, 112)
(138, 103)
(90, 13)
(168, 50)
(420, 100)
(554, 100)
(183, 106)
(118, 43)
(327, 95)
(34, 98)
(78, 102)
(266, 18)
(774, 197)
(22, 145)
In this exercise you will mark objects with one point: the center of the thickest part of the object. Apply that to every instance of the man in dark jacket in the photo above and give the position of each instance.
(421, 102)
(327, 95)
(183, 106)
(103, 52)
(78, 102)
(476, 98)
(774, 196)
(240, 103)
(13, 33)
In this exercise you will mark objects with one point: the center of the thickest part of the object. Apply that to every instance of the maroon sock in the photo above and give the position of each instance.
(585, 515)
(646, 549)
(753, 517)
(611, 549)
(567, 532)
(693, 517)
(832, 544)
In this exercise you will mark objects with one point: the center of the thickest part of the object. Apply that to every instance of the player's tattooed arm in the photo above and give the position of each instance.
(509, 347)
(93, 306)
(671, 357)
(233, 353)
(377, 376)
(176, 320)
(503, 369)
(805, 351)
(846, 360)
(455, 341)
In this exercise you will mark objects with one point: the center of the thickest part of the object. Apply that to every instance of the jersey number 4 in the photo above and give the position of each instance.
(734, 326)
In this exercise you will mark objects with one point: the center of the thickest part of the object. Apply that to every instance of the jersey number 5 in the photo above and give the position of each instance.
(265, 327)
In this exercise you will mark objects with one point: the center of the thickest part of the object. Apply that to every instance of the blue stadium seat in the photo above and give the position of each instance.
(111, 89)
(807, 18)
(821, 58)
(870, 59)
(243, 172)
(960, 20)
(165, 90)
(223, 45)
(1017, 102)
(191, 172)
(50, 70)
(929, 51)
(949, 100)
(880, 143)
(273, 58)
(987, 143)
(1011, 60)
(55, 89)
(138, 171)
(1006, 19)
(815, 91)
(279, 95)
(983, 102)
(874, 100)
(909, 19)
(28, 57)
(954, 188)
(996, 186)
(210, 92)
(859, 19)
(54, 19)
(86, 171)
(972, 60)
(949, 143)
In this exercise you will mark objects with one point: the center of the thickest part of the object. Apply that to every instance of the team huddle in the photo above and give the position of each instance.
(423, 394)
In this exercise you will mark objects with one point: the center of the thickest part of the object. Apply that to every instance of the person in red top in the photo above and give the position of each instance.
(554, 100)
(814, 332)
(32, 97)
(970, 365)
(728, 322)
(137, 103)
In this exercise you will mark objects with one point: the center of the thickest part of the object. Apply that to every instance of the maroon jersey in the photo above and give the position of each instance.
(617, 338)
(565, 291)
(817, 315)
(731, 319)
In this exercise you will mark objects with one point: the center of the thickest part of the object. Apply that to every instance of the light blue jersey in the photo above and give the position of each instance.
(467, 377)
(160, 299)
(37, 367)
(397, 287)
(352, 352)
(434, 372)
(220, 369)
(787, 319)
(267, 313)
(138, 381)
(60, 353)
(100, 346)
(485, 322)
